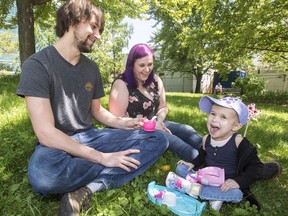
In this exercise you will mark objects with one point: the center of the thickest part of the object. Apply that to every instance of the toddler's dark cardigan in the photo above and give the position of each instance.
(249, 168)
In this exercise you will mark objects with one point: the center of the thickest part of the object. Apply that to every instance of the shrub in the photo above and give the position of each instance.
(251, 84)
(268, 97)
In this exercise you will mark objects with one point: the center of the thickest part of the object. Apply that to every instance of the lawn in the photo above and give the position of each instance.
(269, 135)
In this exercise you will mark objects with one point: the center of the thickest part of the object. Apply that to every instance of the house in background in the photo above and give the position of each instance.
(178, 82)
(207, 82)
(187, 82)
(276, 80)
(231, 77)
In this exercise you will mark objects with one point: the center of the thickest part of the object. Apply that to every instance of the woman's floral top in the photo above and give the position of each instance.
(141, 106)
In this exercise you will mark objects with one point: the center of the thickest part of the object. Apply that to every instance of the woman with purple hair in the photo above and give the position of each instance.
(139, 92)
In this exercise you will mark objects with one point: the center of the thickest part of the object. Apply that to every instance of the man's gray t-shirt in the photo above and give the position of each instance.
(70, 88)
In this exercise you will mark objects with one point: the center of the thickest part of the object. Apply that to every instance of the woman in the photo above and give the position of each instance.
(138, 92)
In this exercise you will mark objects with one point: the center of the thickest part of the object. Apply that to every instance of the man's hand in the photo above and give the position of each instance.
(134, 123)
(120, 159)
(229, 184)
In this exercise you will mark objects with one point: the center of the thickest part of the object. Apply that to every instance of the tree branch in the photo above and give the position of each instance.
(266, 49)
(39, 2)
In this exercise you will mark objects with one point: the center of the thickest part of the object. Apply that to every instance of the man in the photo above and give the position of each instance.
(218, 88)
(62, 90)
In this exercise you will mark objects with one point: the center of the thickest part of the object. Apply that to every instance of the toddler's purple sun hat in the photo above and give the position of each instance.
(241, 109)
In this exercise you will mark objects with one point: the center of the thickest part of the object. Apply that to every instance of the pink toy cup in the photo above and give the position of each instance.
(149, 125)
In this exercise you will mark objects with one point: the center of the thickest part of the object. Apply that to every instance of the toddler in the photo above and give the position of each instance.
(223, 147)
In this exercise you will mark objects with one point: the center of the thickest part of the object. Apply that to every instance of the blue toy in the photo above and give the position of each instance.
(185, 205)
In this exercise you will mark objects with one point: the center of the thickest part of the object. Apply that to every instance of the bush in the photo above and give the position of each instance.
(253, 90)
(251, 84)
(6, 68)
(268, 97)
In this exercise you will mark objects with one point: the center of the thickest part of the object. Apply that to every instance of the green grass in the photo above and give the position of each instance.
(17, 140)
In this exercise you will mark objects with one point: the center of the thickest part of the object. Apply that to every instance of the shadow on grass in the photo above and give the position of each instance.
(17, 144)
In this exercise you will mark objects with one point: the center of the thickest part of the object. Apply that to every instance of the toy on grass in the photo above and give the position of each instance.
(252, 114)
(213, 176)
(179, 203)
(175, 182)
(165, 167)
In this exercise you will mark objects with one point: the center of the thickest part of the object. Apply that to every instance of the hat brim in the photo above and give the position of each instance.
(207, 102)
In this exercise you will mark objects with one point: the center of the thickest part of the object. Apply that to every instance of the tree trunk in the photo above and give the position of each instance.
(198, 83)
(25, 28)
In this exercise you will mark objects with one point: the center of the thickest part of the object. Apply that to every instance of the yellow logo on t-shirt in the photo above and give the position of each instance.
(88, 86)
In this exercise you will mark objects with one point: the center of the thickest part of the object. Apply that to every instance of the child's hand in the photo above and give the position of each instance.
(190, 165)
(229, 184)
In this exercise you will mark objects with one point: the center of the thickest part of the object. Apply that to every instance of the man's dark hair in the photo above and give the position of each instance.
(72, 12)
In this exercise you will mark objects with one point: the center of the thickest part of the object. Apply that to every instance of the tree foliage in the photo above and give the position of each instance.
(263, 28)
(250, 85)
(198, 36)
(108, 51)
(194, 36)
(5, 20)
(8, 43)
(39, 16)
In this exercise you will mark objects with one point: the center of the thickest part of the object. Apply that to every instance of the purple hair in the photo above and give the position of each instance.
(137, 51)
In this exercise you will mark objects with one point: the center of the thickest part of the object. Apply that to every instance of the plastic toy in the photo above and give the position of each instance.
(175, 182)
(184, 206)
(149, 125)
(165, 167)
(213, 176)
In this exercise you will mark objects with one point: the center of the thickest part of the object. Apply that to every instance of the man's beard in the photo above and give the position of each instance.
(83, 46)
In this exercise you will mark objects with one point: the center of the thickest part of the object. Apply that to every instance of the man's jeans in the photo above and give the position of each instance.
(184, 141)
(212, 192)
(53, 171)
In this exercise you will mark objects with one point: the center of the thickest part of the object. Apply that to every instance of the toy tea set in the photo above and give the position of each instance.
(180, 195)
(149, 125)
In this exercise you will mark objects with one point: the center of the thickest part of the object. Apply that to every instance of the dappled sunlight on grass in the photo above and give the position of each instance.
(269, 135)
